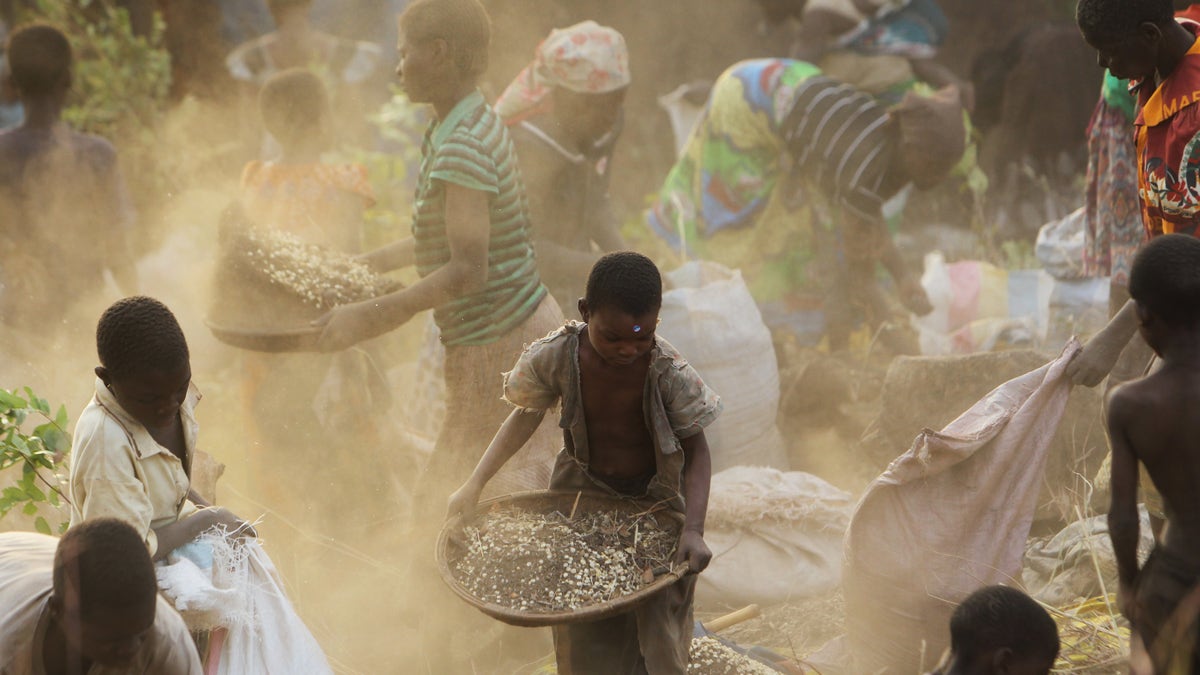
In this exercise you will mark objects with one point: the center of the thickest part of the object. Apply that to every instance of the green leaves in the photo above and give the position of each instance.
(38, 452)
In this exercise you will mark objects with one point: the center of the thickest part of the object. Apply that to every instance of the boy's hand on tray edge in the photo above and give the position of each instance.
(693, 551)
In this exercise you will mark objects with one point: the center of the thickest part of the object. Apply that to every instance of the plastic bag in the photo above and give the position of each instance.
(1060, 245)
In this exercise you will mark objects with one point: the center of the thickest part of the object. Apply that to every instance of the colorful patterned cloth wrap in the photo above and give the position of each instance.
(761, 173)
(726, 177)
(1168, 147)
(586, 58)
(1113, 217)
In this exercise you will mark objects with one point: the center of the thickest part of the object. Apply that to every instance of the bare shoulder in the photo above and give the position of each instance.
(1129, 401)
(1119, 400)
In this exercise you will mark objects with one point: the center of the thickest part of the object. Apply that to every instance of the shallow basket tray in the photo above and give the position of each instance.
(302, 339)
(563, 501)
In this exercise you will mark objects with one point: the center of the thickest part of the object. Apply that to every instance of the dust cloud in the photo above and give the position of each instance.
(337, 513)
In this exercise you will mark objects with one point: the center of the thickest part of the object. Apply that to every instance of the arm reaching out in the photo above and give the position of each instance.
(1100, 354)
(392, 256)
(468, 228)
(512, 436)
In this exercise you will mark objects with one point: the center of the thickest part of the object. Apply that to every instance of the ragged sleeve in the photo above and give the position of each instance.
(536, 381)
(691, 405)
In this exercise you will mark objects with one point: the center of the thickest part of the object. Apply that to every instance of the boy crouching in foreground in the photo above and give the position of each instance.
(633, 414)
(1154, 421)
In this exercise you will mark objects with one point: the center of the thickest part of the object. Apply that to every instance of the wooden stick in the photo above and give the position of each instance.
(733, 618)
(575, 505)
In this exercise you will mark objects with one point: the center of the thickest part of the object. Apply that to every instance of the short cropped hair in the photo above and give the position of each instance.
(39, 59)
(626, 281)
(1165, 279)
(463, 24)
(293, 103)
(138, 334)
(998, 617)
(1118, 18)
(106, 564)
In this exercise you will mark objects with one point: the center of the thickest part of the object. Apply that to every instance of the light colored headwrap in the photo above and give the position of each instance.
(587, 58)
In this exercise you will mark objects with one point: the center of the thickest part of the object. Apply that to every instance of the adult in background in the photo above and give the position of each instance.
(352, 70)
(471, 246)
(881, 47)
(564, 112)
(1143, 42)
(785, 177)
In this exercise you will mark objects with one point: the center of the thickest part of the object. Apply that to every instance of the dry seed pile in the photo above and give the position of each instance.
(545, 562)
(320, 277)
(709, 657)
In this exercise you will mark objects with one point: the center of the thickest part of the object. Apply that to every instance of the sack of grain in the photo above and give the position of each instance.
(710, 317)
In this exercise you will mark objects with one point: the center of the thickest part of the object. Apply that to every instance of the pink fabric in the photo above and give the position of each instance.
(586, 58)
(966, 280)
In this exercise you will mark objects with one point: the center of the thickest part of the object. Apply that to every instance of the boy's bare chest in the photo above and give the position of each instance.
(613, 402)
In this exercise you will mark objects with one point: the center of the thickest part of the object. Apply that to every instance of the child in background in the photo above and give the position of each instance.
(298, 193)
(65, 216)
(999, 630)
(308, 401)
(634, 414)
(352, 70)
(1151, 421)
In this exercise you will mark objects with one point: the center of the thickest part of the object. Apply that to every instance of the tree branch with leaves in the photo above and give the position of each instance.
(35, 440)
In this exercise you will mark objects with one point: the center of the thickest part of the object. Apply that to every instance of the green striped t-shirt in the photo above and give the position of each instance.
(471, 148)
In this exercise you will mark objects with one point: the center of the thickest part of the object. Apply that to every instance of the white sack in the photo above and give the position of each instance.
(775, 537)
(710, 317)
(217, 582)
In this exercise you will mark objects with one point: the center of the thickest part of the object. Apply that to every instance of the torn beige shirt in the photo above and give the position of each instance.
(118, 470)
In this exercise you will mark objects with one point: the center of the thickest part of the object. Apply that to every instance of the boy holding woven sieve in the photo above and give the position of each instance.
(633, 414)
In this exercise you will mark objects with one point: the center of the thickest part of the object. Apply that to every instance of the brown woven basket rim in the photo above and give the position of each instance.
(532, 619)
